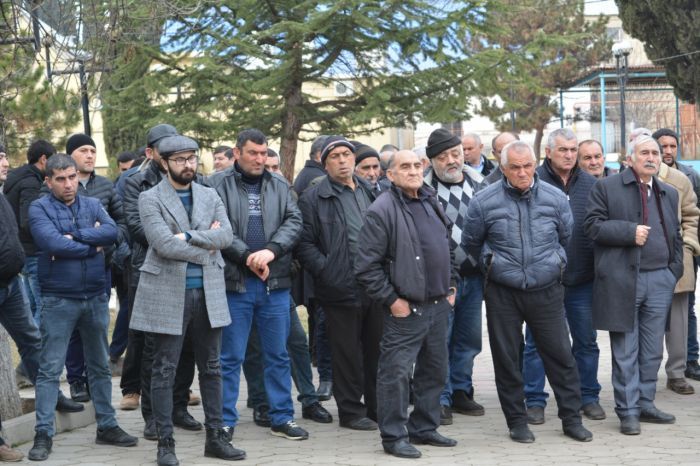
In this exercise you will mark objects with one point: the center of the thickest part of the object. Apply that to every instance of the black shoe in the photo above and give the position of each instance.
(66, 405)
(79, 391)
(656, 416)
(115, 436)
(325, 390)
(522, 434)
(184, 420)
(149, 431)
(166, 452)
(261, 416)
(629, 425)
(593, 411)
(435, 439)
(217, 446)
(535, 415)
(692, 370)
(578, 432)
(227, 433)
(401, 449)
(445, 416)
(363, 423)
(289, 430)
(463, 403)
(41, 448)
(316, 413)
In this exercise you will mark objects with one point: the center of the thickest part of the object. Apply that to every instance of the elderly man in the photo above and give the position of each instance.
(519, 228)
(497, 145)
(407, 265)
(367, 166)
(633, 220)
(560, 170)
(455, 184)
(591, 159)
(472, 146)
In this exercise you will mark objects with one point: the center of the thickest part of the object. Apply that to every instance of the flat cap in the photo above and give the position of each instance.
(158, 132)
(170, 145)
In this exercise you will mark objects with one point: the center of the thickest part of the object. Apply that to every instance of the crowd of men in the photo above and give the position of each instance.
(391, 251)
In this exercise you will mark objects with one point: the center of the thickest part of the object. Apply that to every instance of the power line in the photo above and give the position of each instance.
(676, 56)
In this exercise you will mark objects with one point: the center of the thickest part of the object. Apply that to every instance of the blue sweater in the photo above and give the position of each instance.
(71, 268)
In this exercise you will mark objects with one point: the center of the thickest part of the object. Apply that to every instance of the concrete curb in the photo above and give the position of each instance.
(21, 429)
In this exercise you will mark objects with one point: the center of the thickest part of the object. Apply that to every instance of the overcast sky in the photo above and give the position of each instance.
(595, 7)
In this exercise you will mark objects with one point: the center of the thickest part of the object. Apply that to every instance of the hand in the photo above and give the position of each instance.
(260, 259)
(215, 225)
(640, 238)
(181, 236)
(400, 308)
(261, 273)
(451, 297)
(99, 249)
(70, 237)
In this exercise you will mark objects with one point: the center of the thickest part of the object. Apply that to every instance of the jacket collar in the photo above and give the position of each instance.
(325, 189)
(314, 164)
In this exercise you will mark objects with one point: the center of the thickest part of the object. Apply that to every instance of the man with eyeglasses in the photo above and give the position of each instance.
(182, 286)
(333, 212)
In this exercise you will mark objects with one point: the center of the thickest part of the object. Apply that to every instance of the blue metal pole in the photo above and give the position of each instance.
(603, 123)
(561, 108)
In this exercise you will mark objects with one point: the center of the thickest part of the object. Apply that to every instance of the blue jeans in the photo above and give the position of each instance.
(59, 317)
(271, 313)
(16, 317)
(30, 274)
(464, 337)
(298, 349)
(577, 303)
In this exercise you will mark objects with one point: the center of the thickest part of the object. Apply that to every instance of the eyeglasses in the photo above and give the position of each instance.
(192, 160)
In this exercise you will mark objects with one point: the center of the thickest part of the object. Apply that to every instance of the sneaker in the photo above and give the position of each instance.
(290, 430)
(115, 436)
(194, 399)
(10, 455)
(166, 452)
(42, 447)
(79, 391)
(130, 402)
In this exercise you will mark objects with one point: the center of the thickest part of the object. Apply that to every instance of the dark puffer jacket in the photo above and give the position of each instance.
(519, 237)
(71, 268)
(11, 252)
(22, 187)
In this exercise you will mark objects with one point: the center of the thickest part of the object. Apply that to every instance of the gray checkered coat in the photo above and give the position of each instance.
(160, 297)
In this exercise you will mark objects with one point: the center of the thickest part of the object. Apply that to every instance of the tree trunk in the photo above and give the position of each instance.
(10, 406)
(291, 121)
(536, 145)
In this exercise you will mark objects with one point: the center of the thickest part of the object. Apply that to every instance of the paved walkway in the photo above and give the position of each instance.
(482, 440)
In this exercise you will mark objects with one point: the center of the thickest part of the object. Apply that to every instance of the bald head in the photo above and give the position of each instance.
(500, 141)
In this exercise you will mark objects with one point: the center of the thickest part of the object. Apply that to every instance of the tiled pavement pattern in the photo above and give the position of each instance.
(482, 440)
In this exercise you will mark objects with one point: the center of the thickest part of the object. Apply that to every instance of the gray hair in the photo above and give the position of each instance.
(516, 146)
(565, 133)
(58, 162)
(641, 139)
(473, 136)
(317, 146)
(634, 134)
(420, 152)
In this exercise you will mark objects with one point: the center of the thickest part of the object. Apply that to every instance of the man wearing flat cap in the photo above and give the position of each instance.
(455, 184)
(182, 286)
(333, 212)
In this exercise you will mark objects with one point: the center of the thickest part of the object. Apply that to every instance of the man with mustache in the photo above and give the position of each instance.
(632, 219)
(455, 184)
(182, 287)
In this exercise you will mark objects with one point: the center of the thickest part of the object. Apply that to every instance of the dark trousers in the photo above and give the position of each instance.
(543, 311)
(354, 333)
(207, 349)
(121, 325)
(322, 347)
(131, 368)
(420, 338)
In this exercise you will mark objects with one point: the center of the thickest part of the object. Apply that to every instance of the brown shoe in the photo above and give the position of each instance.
(680, 386)
(130, 402)
(9, 454)
(194, 399)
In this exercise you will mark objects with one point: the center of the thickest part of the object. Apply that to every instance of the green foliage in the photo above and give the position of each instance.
(243, 63)
(668, 28)
(556, 45)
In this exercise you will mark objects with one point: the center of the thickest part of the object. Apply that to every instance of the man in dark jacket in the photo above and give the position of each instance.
(408, 267)
(136, 373)
(22, 187)
(632, 219)
(519, 228)
(560, 169)
(266, 224)
(333, 212)
(455, 183)
(71, 232)
(313, 168)
(472, 146)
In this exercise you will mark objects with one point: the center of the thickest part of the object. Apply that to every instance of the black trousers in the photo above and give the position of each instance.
(543, 311)
(420, 338)
(166, 354)
(354, 333)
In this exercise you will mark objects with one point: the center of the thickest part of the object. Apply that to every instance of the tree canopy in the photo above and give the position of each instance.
(671, 36)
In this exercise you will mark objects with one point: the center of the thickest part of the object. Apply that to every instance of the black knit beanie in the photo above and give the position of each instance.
(78, 140)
